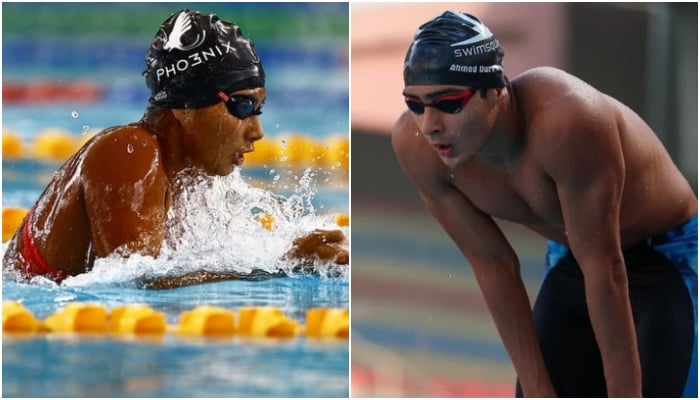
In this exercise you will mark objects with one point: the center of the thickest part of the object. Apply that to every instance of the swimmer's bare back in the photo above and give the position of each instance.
(113, 193)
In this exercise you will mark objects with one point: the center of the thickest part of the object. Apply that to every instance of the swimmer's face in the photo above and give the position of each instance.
(453, 119)
(215, 138)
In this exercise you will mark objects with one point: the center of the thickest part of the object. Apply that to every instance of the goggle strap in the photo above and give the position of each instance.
(223, 96)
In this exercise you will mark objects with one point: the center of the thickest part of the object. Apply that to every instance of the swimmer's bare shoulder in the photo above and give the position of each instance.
(125, 187)
(126, 152)
(565, 116)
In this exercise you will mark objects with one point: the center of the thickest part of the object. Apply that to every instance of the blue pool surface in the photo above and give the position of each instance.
(307, 93)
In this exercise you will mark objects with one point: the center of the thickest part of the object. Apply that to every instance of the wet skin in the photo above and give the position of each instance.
(114, 193)
(570, 163)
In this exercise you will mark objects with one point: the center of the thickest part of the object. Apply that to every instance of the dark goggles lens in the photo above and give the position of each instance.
(450, 103)
(241, 107)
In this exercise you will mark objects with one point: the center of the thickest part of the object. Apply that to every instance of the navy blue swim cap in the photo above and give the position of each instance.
(195, 56)
(454, 49)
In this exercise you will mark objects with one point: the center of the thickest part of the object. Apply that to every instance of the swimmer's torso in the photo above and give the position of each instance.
(655, 196)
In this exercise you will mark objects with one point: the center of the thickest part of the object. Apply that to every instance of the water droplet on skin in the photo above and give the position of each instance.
(129, 148)
(74, 114)
(417, 133)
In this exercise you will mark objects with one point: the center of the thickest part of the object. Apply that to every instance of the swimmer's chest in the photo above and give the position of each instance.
(522, 194)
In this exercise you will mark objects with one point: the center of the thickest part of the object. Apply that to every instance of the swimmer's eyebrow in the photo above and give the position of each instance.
(437, 93)
(254, 93)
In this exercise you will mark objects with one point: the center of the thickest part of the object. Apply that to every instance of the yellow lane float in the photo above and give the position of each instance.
(328, 323)
(12, 218)
(17, 319)
(336, 153)
(137, 319)
(78, 317)
(53, 145)
(11, 145)
(266, 322)
(207, 321)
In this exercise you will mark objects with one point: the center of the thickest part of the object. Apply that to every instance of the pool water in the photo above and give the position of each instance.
(307, 93)
(174, 366)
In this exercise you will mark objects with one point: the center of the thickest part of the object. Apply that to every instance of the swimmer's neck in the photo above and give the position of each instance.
(506, 141)
(168, 133)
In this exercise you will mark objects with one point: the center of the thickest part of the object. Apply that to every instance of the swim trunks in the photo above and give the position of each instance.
(662, 273)
(33, 264)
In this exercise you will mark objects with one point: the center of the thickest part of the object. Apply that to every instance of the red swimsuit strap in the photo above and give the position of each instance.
(34, 263)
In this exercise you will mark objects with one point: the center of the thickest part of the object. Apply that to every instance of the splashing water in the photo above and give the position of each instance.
(213, 224)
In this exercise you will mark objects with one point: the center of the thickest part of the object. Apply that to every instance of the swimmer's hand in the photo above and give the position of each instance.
(324, 245)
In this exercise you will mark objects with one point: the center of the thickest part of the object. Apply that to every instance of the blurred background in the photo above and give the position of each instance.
(419, 324)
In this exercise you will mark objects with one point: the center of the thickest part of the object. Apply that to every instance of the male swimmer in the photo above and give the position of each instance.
(617, 312)
(207, 88)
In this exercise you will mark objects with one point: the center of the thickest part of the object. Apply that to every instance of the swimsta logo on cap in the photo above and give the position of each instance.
(454, 49)
(195, 56)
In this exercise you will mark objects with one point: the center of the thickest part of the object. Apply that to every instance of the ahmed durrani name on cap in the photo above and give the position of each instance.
(476, 69)
(194, 59)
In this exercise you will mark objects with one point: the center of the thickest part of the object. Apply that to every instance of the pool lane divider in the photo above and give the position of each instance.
(287, 150)
(207, 321)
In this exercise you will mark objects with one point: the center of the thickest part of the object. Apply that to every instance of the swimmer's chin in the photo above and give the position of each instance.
(455, 161)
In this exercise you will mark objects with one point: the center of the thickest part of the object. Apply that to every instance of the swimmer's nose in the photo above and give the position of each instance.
(256, 130)
(430, 123)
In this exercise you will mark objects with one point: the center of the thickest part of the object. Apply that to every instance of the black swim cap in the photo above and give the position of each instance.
(194, 56)
(454, 49)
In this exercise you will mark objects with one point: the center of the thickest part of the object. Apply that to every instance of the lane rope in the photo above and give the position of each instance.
(295, 150)
(205, 320)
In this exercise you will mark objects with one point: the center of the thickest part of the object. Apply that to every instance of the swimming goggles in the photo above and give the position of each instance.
(450, 103)
(241, 107)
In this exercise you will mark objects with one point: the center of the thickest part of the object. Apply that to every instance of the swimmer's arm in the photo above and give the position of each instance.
(497, 271)
(125, 188)
(198, 277)
(493, 260)
(588, 171)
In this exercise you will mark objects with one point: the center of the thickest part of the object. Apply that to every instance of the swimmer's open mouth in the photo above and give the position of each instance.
(239, 157)
(444, 150)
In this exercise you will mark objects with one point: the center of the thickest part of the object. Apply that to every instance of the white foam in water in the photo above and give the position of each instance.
(213, 225)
